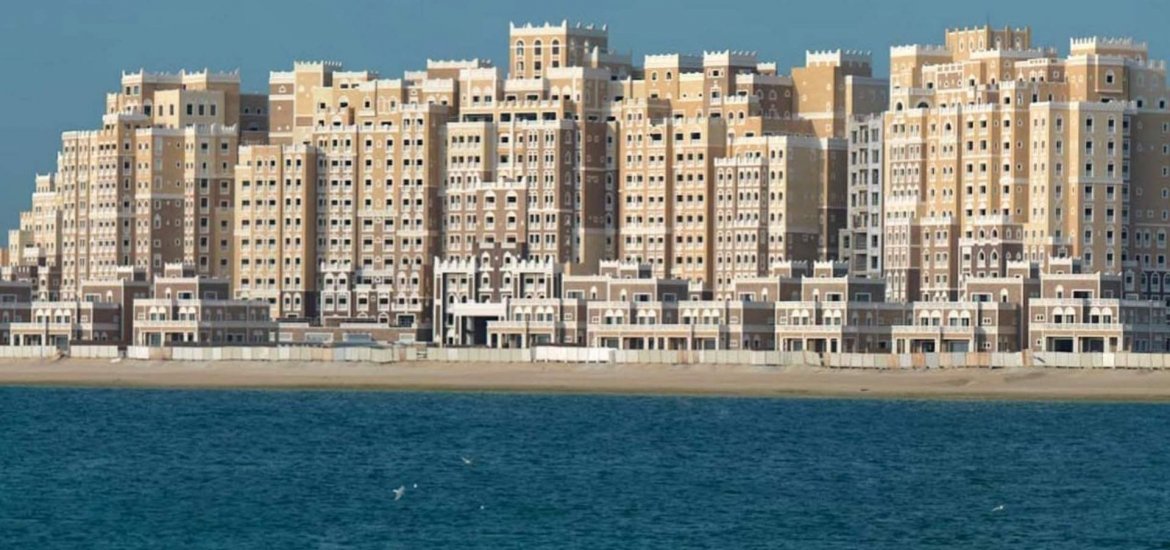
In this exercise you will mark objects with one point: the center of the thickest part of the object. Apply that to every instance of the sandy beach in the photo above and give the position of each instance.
(1024, 384)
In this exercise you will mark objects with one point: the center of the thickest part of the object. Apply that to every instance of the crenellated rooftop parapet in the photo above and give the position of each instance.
(1039, 62)
(142, 76)
(525, 85)
(380, 84)
(282, 77)
(455, 264)
(1113, 43)
(115, 118)
(415, 76)
(672, 60)
(483, 73)
(578, 29)
(836, 58)
(763, 79)
(1023, 54)
(506, 104)
(909, 50)
(786, 141)
(475, 63)
(317, 65)
(622, 265)
(736, 99)
(1155, 64)
(983, 28)
(533, 265)
(571, 72)
(610, 57)
(438, 85)
(788, 268)
(735, 58)
(190, 130)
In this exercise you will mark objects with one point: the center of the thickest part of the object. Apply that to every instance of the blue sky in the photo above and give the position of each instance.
(61, 57)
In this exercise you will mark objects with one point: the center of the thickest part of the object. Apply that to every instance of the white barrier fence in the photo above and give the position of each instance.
(578, 355)
(95, 352)
(480, 355)
(800, 359)
(29, 352)
(574, 355)
(266, 353)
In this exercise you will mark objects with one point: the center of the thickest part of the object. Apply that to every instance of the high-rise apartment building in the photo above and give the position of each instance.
(998, 151)
(861, 240)
(275, 236)
(152, 185)
(418, 207)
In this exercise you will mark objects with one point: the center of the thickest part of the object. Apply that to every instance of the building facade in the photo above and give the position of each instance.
(997, 151)
(826, 209)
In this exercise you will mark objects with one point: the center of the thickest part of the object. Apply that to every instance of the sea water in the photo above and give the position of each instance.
(120, 468)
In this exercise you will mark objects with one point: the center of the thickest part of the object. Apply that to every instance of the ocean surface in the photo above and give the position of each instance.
(118, 468)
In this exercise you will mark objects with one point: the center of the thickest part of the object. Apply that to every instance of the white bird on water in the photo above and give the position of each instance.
(997, 508)
(401, 490)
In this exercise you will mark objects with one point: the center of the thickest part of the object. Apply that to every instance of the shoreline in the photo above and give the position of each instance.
(1015, 384)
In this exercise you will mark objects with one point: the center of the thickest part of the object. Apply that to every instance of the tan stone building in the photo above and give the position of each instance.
(470, 204)
(152, 185)
(1080, 311)
(997, 151)
(189, 309)
(471, 296)
(275, 236)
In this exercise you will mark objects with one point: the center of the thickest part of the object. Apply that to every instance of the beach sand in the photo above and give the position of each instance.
(1013, 384)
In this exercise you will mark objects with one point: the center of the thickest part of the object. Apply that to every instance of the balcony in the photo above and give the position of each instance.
(1077, 327)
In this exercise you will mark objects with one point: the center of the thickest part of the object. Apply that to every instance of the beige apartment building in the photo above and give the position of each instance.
(190, 309)
(349, 186)
(274, 239)
(773, 197)
(997, 151)
(152, 185)
(467, 204)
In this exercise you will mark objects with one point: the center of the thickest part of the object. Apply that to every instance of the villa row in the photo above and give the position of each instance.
(987, 194)
(529, 303)
(177, 308)
(796, 307)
